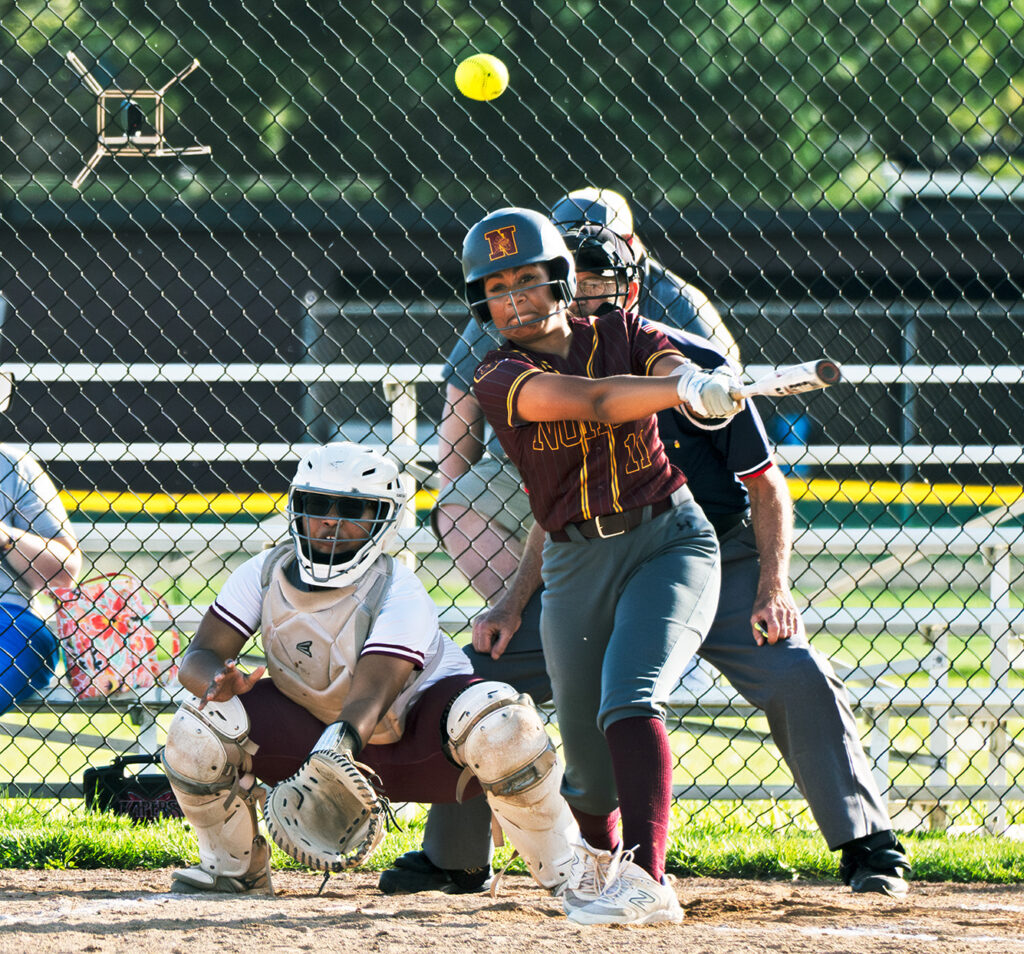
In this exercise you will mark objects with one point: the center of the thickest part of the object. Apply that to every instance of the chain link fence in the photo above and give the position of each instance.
(230, 229)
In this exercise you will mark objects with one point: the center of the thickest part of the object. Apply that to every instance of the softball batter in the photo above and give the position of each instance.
(631, 565)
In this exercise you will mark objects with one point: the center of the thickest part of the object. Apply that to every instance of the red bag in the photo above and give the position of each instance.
(108, 644)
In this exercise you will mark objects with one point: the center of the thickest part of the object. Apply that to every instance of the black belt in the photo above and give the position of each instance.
(614, 524)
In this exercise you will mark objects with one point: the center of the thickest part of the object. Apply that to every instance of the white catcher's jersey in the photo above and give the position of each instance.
(312, 639)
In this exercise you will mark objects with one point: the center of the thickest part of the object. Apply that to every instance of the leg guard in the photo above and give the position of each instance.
(499, 736)
(207, 758)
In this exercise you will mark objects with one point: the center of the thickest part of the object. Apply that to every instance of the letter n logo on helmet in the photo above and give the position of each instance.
(502, 242)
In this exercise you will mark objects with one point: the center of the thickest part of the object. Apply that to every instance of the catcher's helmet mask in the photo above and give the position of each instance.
(350, 484)
(603, 252)
(351, 509)
(512, 238)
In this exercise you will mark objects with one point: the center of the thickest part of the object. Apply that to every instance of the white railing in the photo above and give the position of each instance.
(399, 382)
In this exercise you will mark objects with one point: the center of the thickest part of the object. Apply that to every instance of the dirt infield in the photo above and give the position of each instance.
(128, 911)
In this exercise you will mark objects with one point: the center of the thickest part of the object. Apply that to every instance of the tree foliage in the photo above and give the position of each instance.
(749, 102)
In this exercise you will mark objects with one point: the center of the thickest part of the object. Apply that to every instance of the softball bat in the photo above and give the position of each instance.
(793, 379)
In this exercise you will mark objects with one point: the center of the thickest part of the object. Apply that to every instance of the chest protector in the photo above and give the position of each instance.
(312, 640)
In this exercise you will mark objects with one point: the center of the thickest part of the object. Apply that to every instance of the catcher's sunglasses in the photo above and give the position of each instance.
(321, 506)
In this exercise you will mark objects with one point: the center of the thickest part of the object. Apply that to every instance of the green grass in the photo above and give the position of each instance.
(56, 836)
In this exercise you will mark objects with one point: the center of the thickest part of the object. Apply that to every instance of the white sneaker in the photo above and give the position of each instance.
(588, 875)
(630, 896)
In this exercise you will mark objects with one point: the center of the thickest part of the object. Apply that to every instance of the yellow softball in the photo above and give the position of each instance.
(481, 76)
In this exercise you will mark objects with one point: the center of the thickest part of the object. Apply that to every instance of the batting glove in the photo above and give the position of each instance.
(708, 393)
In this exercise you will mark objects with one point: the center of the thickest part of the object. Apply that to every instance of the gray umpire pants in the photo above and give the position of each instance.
(805, 704)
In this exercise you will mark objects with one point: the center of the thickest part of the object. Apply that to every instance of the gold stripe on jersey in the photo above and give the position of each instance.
(512, 391)
(616, 502)
(660, 354)
(584, 473)
(613, 476)
(584, 483)
(593, 352)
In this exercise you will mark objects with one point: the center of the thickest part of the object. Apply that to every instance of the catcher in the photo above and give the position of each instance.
(362, 685)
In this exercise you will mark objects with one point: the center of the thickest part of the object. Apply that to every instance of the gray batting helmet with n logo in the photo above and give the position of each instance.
(510, 238)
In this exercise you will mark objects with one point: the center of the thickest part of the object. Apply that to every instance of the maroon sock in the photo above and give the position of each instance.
(642, 760)
(599, 831)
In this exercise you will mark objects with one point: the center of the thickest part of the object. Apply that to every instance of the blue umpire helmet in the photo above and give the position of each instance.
(593, 206)
(511, 238)
(601, 207)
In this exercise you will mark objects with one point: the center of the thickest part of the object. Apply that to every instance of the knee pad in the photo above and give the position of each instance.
(208, 749)
(498, 734)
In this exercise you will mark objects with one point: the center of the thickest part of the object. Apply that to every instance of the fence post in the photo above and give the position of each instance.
(998, 560)
(936, 664)
(400, 396)
(878, 748)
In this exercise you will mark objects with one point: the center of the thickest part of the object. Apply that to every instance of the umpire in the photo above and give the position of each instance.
(664, 296)
(732, 475)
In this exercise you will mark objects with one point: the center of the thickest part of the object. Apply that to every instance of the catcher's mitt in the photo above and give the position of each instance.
(327, 815)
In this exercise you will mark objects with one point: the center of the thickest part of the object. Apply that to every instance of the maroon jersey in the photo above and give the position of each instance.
(575, 470)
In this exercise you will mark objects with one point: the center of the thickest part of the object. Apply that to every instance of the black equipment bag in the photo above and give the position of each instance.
(142, 797)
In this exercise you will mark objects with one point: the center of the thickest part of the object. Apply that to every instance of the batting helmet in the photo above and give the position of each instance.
(343, 482)
(598, 206)
(510, 238)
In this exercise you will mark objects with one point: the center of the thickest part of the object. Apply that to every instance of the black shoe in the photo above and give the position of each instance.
(414, 872)
(875, 863)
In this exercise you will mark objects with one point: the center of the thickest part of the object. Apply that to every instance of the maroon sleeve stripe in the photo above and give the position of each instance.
(415, 658)
(397, 647)
(233, 621)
